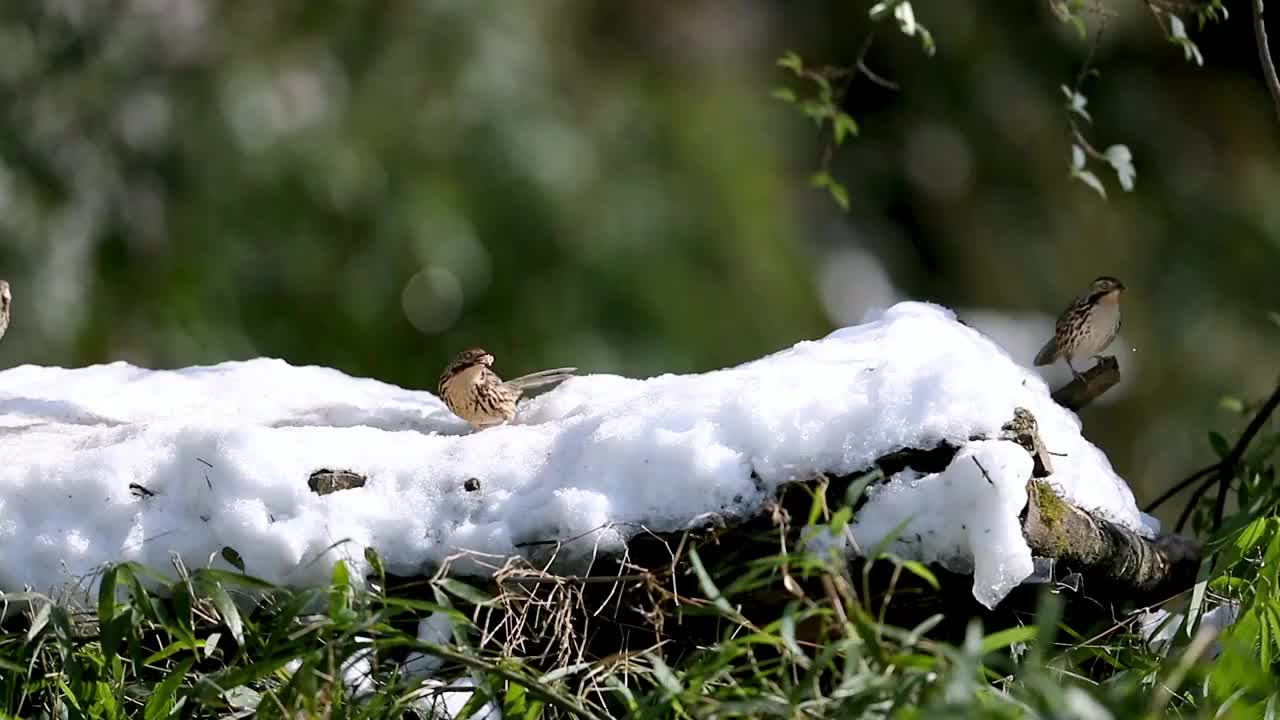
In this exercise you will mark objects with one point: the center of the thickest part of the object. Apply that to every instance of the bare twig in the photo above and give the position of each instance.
(1264, 55)
(1221, 472)
(877, 78)
(1191, 479)
(982, 469)
(1227, 470)
(838, 94)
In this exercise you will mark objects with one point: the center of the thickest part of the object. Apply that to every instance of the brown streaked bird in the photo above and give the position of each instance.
(6, 299)
(1087, 326)
(476, 394)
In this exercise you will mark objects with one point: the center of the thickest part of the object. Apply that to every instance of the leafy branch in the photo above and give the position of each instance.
(1222, 472)
(1118, 157)
(827, 87)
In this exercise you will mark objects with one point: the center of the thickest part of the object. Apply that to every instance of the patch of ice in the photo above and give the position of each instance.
(224, 453)
(1159, 626)
(980, 495)
(446, 701)
(435, 628)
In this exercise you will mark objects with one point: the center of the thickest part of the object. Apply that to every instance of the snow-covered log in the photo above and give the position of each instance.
(114, 462)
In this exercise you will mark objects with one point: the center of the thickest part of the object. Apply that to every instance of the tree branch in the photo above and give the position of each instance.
(1264, 55)
(1087, 386)
(1220, 472)
(1109, 553)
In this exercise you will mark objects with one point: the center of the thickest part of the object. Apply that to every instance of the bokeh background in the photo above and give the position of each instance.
(372, 185)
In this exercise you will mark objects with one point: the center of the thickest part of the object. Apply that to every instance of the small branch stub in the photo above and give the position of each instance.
(1089, 385)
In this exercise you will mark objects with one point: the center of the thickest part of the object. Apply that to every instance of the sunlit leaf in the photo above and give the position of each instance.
(1009, 636)
(922, 571)
(791, 61)
(844, 127)
(1088, 178)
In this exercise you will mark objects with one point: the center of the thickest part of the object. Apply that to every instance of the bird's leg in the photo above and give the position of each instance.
(1072, 368)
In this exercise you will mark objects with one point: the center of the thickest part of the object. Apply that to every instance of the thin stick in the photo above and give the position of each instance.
(1227, 470)
(1191, 479)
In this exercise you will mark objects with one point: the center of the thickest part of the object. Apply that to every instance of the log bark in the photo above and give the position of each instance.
(1106, 561)
(651, 592)
(1113, 558)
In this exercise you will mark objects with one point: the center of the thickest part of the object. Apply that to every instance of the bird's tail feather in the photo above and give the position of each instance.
(542, 377)
(1048, 354)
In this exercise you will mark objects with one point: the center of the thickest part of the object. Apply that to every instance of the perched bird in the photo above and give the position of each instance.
(5, 299)
(476, 394)
(1087, 326)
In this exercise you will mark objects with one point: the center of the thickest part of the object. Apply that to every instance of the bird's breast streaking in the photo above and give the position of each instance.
(476, 394)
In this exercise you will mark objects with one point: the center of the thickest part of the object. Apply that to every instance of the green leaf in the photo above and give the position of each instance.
(515, 700)
(922, 571)
(1009, 636)
(708, 585)
(860, 485)
(463, 591)
(1231, 404)
(172, 649)
(160, 704)
(1219, 444)
(339, 590)
(211, 685)
(840, 519)
(112, 632)
(665, 677)
(226, 608)
(817, 111)
(844, 127)
(787, 631)
(39, 620)
(1269, 651)
(372, 557)
(107, 595)
(1197, 594)
(838, 191)
(791, 61)
(1081, 29)
(138, 594)
(211, 644)
(786, 95)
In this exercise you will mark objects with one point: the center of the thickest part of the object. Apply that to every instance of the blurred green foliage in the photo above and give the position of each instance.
(372, 185)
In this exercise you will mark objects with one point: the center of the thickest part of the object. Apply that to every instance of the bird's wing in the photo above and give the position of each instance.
(1049, 353)
(542, 377)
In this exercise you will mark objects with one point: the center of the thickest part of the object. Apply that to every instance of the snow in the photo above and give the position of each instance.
(224, 453)
(984, 488)
(1159, 627)
(445, 701)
